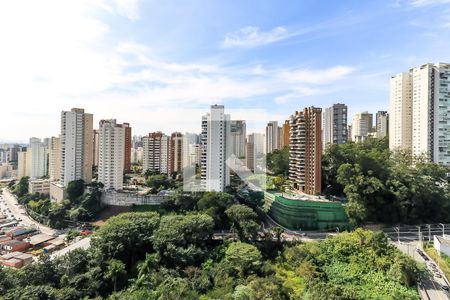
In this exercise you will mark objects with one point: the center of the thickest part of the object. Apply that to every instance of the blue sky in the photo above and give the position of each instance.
(159, 64)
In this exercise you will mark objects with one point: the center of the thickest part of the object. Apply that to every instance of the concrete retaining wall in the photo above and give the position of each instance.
(128, 199)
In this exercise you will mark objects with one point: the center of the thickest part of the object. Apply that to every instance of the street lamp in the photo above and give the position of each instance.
(397, 229)
(420, 236)
(429, 232)
(443, 229)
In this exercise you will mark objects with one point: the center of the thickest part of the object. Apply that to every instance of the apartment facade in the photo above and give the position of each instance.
(54, 163)
(24, 164)
(76, 146)
(127, 147)
(382, 124)
(215, 137)
(237, 137)
(254, 150)
(419, 109)
(361, 126)
(111, 154)
(156, 152)
(39, 155)
(176, 153)
(305, 167)
(272, 137)
(285, 134)
(335, 125)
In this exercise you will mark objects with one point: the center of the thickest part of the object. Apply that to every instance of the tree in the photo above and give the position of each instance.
(115, 269)
(266, 288)
(75, 189)
(150, 172)
(21, 187)
(145, 267)
(181, 240)
(215, 204)
(158, 182)
(278, 161)
(243, 221)
(175, 288)
(126, 237)
(57, 215)
(242, 259)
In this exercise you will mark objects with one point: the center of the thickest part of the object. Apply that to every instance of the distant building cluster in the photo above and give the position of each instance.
(418, 121)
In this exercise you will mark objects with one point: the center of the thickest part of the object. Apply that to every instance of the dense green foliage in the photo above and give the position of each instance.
(278, 162)
(158, 182)
(21, 188)
(82, 203)
(145, 256)
(386, 187)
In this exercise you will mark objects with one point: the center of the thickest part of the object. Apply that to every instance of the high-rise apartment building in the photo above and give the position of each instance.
(176, 153)
(418, 112)
(156, 152)
(272, 136)
(400, 111)
(285, 134)
(191, 150)
(254, 150)
(39, 154)
(305, 167)
(237, 137)
(13, 154)
(54, 159)
(24, 163)
(76, 146)
(137, 155)
(215, 137)
(361, 126)
(335, 125)
(382, 124)
(96, 147)
(111, 154)
(127, 148)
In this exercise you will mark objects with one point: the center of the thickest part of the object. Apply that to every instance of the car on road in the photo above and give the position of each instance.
(445, 288)
(437, 275)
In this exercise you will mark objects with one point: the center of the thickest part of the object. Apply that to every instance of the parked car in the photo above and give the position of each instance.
(445, 288)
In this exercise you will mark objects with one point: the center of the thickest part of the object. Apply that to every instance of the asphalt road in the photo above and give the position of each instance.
(10, 201)
(429, 283)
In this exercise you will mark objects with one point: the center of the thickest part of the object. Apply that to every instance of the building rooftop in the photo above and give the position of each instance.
(443, 240)
(10, 255)
(39, 238)
(24, 256)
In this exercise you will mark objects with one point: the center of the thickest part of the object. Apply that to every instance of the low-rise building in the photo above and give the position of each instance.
(13, 263)
(41, 186)
(15, 245)
(442, 244)
(57, 191)
(39, 240)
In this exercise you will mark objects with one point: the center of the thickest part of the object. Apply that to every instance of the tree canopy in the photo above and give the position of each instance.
(385, 186)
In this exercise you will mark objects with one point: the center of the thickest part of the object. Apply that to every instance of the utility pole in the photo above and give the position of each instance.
(429, 232)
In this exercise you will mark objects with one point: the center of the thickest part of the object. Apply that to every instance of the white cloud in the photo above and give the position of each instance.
(317, 76)
(422, 3)
(56, 55)
(128, 8)
(252, 36)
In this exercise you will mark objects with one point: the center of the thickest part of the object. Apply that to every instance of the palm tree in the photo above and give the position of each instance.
(147, 266)
(115, 269)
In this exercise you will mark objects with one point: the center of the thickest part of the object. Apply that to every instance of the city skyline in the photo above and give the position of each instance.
(111, 59)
